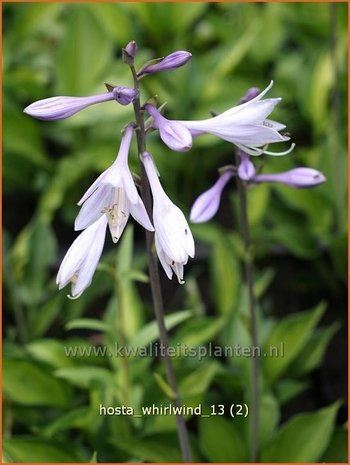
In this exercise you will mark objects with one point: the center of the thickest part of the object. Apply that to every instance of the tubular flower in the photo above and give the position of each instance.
(207, 204)
(297, 177)
(173, 238)
(114, 194)
(80, 262)
(245, 125)
(174, 134)
(172, 61)
(55, 108)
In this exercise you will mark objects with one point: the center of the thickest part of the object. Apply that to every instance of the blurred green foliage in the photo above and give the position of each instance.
(51, 400)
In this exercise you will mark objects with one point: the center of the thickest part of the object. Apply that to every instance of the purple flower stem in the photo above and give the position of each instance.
(249, 276)
(155, 280)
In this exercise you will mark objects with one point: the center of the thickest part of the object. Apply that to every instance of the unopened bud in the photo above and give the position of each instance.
(250, 94)
(172, 61)
(125, 95)
(129, 53)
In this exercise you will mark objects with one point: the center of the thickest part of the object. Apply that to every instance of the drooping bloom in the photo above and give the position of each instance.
(245, 125)
(55, 108)
(174, 134)
(296, 177)
(80, 262)
(114, 194)
(173, 238)
(172, 61)
(207, 204)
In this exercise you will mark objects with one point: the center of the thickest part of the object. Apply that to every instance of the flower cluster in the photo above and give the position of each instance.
(207, 204)
(113, 197)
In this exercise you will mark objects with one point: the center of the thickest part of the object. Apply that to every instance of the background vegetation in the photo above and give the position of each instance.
(51, 401)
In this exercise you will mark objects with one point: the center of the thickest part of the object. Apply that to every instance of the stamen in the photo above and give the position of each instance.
(277, 154)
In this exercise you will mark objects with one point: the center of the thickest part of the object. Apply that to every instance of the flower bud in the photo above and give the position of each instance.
(125, 95)
(172, 61)
(131, 49)
(251, 93)
(246, 168)
(54, 108)
(207, 204)
(297, 177)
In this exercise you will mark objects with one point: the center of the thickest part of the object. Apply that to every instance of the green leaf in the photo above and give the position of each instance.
(236, 334)
(304, 438)
(83, 53)
(33, 450)
(198, 381)
(50, 351)
(45, 315)
(224, 267)
(312, 354)
(29, 384)
(164, 387)
(287, 389)
(293, 332)
(258, 200)
(153, 448)
(150, 333)
(34, 251)
(125, 252)
(34, 18)
(94, 458)
(85, 376)
(29, 145)
(263, 281)
(269, 417)
(320, 87)
(88, 323)
(113, 19)
(220, 441)
(198, 331)
(76, 418)
(337, 450)
(225, 276)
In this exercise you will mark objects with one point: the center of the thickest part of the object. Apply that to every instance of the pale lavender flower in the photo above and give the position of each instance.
(80, 262)
(173, 238)
(114, 194)
(172, 61)
(55, 108)
(207, 204)
(174, 134)
(245, 125)
(296, 177)
(246, 169)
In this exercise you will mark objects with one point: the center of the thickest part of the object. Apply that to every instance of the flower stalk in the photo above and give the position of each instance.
(249, 277)
(154, 276)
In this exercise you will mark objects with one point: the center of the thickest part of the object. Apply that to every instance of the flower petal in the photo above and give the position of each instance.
(93, 207)
(139, 213)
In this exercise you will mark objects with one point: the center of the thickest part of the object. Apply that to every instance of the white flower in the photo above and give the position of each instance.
(114, 194)
(173, 238)
(244, 125)
(80, 262)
